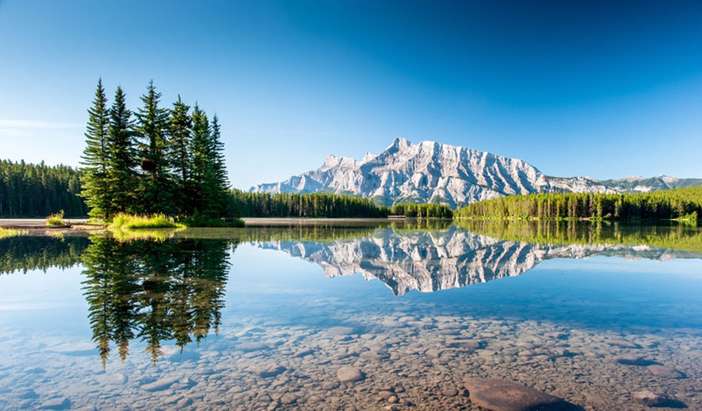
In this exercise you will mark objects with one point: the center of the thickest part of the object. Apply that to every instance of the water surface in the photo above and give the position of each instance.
(265, 317)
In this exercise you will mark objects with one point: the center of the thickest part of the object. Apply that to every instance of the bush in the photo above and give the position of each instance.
(136, 222)
(56, 220)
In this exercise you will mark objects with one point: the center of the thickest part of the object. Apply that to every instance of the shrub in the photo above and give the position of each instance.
(136, 222)
(56, 220)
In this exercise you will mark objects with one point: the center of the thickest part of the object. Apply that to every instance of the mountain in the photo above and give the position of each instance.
(650, 183)
(429, 172)
(439, 260)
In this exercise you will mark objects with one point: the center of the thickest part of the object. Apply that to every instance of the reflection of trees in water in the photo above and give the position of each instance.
(24, 253)
(154, 291)
(672, 236)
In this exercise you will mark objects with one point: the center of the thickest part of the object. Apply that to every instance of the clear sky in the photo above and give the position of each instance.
(593, 89)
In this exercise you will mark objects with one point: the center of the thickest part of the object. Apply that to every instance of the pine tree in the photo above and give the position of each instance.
(179, 154)
(152, 130)
(220, 183)
(95, 186)
(120, 173)
(201, 170)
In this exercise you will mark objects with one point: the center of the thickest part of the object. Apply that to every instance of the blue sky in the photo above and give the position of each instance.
(590, 89)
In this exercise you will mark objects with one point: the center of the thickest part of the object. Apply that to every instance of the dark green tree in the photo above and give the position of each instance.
(179, 154)
(152, 131)
(120, 173)
(95, 186)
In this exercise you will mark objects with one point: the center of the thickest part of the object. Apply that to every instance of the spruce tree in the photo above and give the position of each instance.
(201, 170)
(152, 129)
(220, 183)
(179, 154)
(95, 186)
(120, 173)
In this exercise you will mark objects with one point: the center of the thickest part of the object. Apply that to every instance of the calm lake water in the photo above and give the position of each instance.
(365, 317)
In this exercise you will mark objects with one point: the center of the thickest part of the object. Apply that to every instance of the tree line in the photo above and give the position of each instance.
(413, 210)
(154, 160)
(304, 205)
(31, 190)
(682, 203)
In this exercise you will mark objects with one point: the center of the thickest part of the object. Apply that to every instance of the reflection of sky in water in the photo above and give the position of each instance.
(606, 292)
(595, 292)
(288, 302)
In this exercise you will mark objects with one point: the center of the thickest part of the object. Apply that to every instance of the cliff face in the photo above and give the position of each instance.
(429, 172)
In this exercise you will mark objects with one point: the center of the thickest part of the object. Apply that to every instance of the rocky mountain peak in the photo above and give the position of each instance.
(429, 171)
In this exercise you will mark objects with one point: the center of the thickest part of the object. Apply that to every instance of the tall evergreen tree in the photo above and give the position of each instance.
(201, 168)
(120, 173)
(95, 186)
(220, 183)
(179, 154)
(152, 129)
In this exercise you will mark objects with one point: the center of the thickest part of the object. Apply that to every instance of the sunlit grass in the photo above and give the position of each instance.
(157, 234)
(138, 222)
(56, 220)
(9, 232)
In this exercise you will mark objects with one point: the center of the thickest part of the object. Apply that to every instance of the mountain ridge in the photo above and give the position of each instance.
(433, 172)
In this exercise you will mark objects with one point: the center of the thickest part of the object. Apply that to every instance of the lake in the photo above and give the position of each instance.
(353, 316)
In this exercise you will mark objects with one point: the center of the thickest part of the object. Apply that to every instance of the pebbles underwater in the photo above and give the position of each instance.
(447, 362)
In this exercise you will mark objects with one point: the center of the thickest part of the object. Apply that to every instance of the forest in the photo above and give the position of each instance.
(36, 190)
(304, 205)
(422, 210)
(155, 160)
(678, 204)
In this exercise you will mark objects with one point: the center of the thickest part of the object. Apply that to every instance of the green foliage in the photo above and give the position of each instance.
(95, 185)
(682, 203)
(315, 205)
(10, 232)
(180, 155)
(124, 221)
(36, 190)
(121, 176)
(151, 129)
(422, 210)
(56, 220)
(26, 253)
(163, 162)
(672, 236)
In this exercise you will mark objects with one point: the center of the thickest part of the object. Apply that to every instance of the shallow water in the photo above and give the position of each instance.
(265, 318)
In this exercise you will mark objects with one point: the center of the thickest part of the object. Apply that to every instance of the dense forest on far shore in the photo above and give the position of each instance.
(37, 190)
(681, 204)
(330, 205)
(314, 205)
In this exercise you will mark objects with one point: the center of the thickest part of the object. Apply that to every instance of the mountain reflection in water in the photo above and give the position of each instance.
(172, 289)
(429, 261)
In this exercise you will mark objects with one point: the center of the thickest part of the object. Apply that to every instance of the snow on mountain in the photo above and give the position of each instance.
(432, 172)
(432, 261)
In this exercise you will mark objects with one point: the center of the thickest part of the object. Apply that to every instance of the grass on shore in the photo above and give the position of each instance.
(56, 220)
(139, 222)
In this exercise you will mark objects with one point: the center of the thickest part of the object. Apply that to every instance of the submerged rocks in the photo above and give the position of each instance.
(666, 372)
(161, 384)
(59, 403)
(501, 395)
(635, 361)
(652, 399)
(349, 374)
